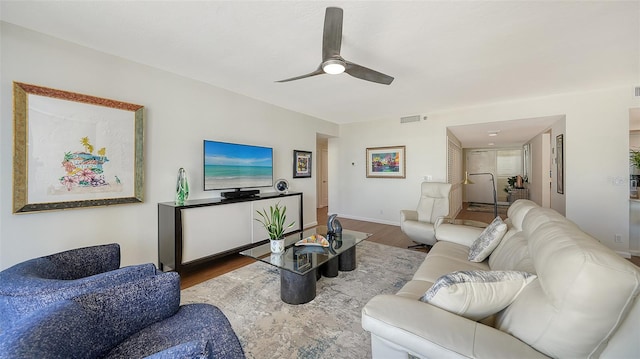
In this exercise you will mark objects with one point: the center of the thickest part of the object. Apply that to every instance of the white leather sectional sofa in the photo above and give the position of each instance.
(583, 304)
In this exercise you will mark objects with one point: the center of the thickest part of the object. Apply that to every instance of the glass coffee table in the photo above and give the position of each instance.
(301, 266)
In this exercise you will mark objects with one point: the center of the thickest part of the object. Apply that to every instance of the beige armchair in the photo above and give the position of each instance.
(433, 207)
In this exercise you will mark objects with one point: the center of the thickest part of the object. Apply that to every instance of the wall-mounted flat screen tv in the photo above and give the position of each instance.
(236, 166)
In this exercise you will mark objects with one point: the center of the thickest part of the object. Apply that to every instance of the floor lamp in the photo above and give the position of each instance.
(493, 187)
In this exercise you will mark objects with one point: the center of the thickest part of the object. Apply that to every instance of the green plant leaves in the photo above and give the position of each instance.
(634, 158)
(274, 221)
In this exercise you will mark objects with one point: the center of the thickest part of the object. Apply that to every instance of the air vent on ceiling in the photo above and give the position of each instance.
(408, 119)
(637, 91)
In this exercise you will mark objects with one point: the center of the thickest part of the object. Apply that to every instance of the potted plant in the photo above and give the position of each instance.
(634, 158)
(274, 222)
(511, 183)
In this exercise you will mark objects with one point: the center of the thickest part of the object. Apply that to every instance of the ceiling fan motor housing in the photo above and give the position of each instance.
(334, 66)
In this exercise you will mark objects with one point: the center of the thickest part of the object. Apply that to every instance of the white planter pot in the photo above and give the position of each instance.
(276, 259)
(277, 245)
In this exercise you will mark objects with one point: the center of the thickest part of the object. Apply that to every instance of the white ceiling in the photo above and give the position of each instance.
(509, 134)
(443, 55)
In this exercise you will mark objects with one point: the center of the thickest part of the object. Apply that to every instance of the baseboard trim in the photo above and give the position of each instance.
(626, 255)
(374, 220)
(310, 225)
(635, 253)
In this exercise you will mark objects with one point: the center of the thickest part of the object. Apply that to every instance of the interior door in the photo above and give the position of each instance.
(480, 161)
(324, 178)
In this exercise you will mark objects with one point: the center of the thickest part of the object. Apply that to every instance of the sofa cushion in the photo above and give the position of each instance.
(512, 254)
(443, 258)
(414, 289)
(583, 292)
(540, 216)
(518, 210)
(449, 250)
(435, 267)
(476, 294)
(487, 241)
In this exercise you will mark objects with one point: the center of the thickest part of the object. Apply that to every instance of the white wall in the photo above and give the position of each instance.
(559, 200)
(539, 180)
(596, 155)
(179, 114)
(354, 196)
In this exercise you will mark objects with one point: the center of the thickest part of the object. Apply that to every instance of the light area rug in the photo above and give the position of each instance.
(327, 327)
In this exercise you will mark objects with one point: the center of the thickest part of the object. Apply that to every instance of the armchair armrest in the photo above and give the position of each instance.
(23, 292)
(89, 325)
(21, 282)
(441, 220)
(428, 331)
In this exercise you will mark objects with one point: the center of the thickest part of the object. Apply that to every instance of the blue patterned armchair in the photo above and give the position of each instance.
(40, 282)
(139, 317)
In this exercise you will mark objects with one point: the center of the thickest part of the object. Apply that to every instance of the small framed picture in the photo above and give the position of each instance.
(386, 162)
(301, 164)
(302, 261)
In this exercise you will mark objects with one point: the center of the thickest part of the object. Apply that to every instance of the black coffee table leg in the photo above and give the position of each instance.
(347, 260)
(296, 288)
(330, 268)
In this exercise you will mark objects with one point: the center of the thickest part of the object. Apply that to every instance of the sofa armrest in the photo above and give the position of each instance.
(408, 215)
(458, 233)
(428, 331)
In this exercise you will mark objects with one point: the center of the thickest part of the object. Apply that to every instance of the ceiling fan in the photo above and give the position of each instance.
(332, 62)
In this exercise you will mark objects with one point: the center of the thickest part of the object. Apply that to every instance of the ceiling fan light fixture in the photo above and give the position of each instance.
(332, 63)
(333, 67)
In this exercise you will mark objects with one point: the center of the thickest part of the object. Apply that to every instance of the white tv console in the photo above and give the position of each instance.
(202, 230)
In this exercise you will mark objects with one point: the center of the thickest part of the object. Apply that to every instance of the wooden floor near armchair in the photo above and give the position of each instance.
(381, 233)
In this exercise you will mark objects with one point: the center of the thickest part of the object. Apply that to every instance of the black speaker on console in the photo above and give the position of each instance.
(240, 194)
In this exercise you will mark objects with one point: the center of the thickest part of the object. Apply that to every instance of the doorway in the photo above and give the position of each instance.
(322, 167)
(480, 161)
(532, 137)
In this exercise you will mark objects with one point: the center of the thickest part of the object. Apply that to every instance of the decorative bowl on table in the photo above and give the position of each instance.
(313, 240)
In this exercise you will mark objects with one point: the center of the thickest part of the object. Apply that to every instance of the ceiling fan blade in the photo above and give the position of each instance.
(367, 74)
(316, 72)
(332, 35)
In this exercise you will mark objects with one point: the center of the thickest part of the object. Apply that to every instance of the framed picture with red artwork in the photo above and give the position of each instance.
(386, 162)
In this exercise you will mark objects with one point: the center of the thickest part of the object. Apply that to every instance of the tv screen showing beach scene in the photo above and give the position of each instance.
(235, 166)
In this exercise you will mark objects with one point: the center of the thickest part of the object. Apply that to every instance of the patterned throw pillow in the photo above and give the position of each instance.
(488, 240)
(477, 294)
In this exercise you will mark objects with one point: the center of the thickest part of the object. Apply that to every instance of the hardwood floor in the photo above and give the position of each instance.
(381, 233)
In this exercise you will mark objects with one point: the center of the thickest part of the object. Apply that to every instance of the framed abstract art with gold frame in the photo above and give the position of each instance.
(73, 150)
